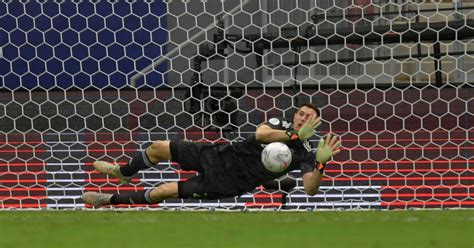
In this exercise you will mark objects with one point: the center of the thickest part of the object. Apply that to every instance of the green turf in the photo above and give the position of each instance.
(399, 229)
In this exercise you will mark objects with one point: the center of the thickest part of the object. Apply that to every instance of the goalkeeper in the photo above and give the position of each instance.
(226, 170)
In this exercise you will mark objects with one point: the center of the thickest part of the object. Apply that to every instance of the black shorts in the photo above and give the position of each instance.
(190, 156)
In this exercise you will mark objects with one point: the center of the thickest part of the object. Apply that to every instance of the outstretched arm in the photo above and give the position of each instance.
(266, 134)
(326, 149)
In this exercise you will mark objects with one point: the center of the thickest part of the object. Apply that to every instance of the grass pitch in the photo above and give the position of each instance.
(401, 229)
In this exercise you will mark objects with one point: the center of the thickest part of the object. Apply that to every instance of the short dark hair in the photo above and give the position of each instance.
(309, 105)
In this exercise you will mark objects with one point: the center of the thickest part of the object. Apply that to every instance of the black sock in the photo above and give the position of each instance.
(139, 162)
(139, 197)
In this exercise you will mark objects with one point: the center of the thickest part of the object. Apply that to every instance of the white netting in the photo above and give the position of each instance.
(82, 81)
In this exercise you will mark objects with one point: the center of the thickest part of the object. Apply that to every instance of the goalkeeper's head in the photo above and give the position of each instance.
(303, 113)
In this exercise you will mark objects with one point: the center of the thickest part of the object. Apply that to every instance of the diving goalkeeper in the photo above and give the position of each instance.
(226, 170)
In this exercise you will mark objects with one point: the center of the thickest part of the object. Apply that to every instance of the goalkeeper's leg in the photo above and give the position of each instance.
(150, 196)
(157, 151)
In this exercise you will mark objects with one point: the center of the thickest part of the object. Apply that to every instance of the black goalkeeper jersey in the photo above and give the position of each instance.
(237, 168)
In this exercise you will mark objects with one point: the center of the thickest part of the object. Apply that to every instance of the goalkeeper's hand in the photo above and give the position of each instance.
(327, 148)
(307, 130)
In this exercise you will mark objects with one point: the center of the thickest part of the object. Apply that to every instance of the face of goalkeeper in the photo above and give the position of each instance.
(302, 115)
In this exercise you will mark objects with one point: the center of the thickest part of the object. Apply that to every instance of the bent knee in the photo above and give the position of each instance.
(164, 191)
(159, 150)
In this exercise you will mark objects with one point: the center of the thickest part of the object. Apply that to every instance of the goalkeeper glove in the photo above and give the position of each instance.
(326, 149)
(306, 131)
(324, 152)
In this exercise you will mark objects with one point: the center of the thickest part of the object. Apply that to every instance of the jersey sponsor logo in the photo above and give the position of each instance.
(308, 147)
(274, 121)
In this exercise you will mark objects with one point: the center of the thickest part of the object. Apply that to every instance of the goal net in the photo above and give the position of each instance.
(82, 81)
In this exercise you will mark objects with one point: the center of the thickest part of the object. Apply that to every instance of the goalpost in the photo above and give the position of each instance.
(82, 81)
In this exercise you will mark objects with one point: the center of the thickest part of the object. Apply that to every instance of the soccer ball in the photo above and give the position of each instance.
(276, 157)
